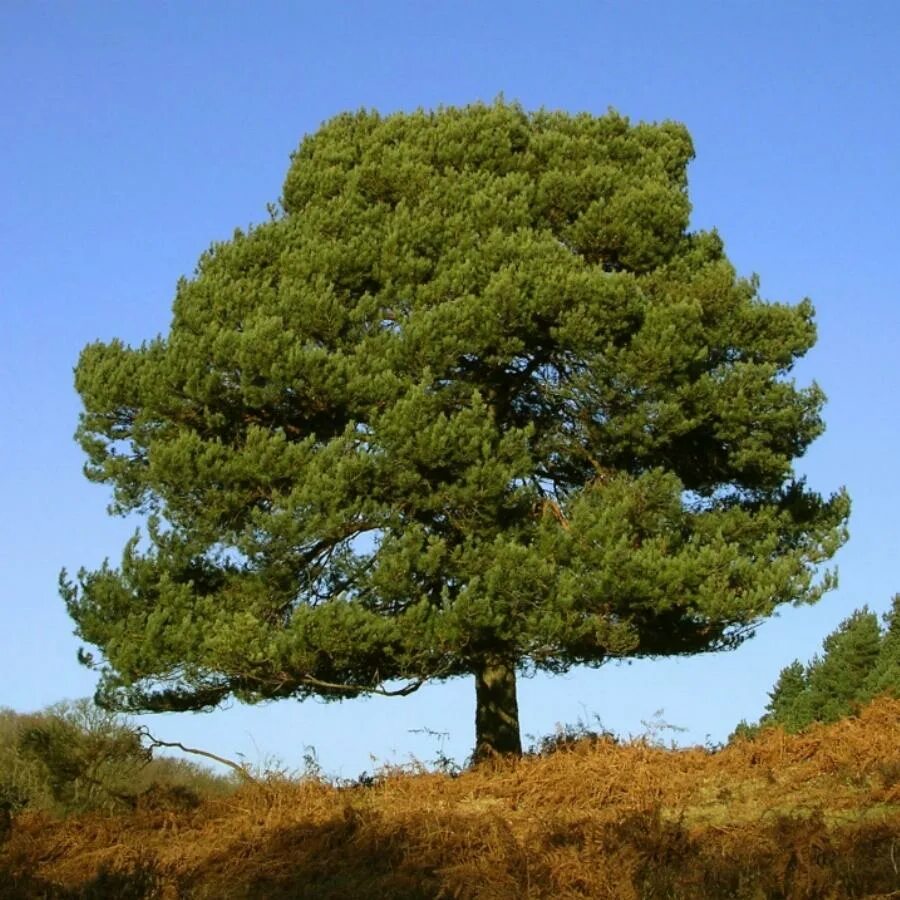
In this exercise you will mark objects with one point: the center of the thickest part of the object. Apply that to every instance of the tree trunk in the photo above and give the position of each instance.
(496, 710)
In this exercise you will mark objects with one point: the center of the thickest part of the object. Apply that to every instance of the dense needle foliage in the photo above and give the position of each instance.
(859, 661)
(474, 401)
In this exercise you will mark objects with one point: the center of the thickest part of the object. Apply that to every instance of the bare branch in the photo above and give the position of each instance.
(156, 742)
(404, 691)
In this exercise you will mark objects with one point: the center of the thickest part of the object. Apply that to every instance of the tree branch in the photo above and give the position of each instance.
(238, 767)
(404, 691)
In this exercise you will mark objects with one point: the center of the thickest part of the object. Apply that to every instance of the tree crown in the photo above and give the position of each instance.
(476, 390)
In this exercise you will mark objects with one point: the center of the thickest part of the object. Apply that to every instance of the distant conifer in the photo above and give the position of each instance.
(884, 676)
(859, 662)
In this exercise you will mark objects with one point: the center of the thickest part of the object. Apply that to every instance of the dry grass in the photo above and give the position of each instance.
(806, 816)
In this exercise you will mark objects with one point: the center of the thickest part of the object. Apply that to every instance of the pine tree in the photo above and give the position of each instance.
(789, 700)
(884, 676)
(836, 680)
(858, 662)
(475, 401)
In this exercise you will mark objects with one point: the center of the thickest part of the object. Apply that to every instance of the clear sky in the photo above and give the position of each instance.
(134, 134)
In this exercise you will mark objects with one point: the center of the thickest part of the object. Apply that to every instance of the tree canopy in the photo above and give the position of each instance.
(475, 401)
(859, 661)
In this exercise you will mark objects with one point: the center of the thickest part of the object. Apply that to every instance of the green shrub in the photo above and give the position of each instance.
(75, 756)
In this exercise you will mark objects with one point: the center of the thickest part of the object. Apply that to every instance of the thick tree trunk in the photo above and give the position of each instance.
(496, 710)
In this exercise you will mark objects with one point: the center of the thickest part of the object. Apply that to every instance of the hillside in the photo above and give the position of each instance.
(800, 816)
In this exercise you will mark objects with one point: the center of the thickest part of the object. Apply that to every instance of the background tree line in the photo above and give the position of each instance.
(859, 660)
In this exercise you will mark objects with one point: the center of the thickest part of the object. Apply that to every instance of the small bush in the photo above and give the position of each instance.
(75, 757)
(567, 736)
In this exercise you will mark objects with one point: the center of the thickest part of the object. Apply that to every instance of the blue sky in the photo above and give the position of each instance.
(134, 134)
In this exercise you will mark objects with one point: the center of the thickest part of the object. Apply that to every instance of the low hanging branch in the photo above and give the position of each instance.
(156, 742)
(409, 688)
(284, 680)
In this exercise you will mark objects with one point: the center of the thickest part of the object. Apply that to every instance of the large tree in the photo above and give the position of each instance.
(885, 674)
(474, 402)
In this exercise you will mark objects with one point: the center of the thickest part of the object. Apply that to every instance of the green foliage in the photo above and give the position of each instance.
(837, 680)
(22, 781)
(884, 676)
(475, 392)
(75, 756)
(789, 700)
(87, 756)
(860, 661)
(744, 731)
